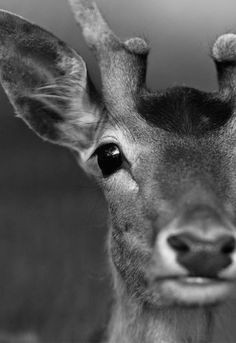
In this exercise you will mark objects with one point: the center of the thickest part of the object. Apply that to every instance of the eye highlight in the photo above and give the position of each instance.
(109, 158)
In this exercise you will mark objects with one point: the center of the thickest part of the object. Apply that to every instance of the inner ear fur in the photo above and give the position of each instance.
(47, 83)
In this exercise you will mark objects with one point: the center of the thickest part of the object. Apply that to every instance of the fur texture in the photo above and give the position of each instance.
(177, 153)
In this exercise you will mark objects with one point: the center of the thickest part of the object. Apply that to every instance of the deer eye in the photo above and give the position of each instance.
(109, 158)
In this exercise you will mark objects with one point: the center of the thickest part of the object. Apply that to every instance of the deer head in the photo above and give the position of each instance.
(165, 160)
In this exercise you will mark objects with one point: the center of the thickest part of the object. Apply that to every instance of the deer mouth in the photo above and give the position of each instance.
(200, 281)
(186, 290)
(203, 291)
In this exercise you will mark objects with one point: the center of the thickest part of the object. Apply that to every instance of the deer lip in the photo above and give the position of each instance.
(201, 281)
(195, 290)
(193, 280)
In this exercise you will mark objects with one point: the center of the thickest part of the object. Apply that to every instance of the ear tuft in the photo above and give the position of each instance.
(44, 119)
(224, 49)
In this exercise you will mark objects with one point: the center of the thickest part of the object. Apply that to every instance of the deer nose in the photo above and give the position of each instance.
(202, 257)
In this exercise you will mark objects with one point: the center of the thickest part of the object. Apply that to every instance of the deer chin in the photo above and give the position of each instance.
(197, 291)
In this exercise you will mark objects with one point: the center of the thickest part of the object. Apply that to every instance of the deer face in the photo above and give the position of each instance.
(165, 160)
(172, 200)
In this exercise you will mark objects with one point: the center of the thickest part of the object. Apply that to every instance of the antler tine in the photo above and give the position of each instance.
(122, 64)
(224, 55)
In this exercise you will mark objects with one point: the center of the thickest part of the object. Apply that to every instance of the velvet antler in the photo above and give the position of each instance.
(122, 64)
(224, 55)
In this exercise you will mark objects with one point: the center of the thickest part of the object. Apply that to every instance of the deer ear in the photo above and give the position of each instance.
(47, 83)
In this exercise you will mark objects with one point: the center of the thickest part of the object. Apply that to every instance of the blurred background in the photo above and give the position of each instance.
(53, 269)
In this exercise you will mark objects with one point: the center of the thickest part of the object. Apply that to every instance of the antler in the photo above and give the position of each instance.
(122, 64)
(224, 55)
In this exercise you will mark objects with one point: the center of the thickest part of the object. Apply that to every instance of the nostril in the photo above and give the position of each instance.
(228, 246)
(178, 244)
(202, 257)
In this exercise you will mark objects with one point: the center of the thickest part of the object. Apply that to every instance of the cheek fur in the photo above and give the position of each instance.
(129, 263)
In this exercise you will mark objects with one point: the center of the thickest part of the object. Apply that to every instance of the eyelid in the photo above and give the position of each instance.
(107, 140)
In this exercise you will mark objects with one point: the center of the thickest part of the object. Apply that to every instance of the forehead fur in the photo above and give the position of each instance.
(186, 111)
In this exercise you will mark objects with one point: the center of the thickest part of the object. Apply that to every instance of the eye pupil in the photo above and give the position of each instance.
(109, 158)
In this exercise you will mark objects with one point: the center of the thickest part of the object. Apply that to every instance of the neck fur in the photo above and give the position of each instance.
(132, 323)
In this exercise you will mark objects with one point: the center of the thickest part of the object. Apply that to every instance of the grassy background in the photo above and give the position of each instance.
(53, 271)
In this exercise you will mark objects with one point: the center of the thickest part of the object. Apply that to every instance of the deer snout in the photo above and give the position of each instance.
(198, 243)
(202, 257)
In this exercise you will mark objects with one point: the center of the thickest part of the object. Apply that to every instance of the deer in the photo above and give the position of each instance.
(165, 160)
